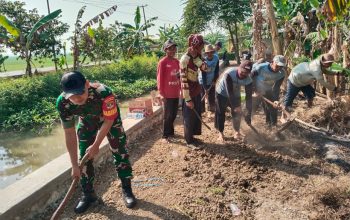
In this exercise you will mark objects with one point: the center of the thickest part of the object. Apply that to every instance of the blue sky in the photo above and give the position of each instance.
(169, 12)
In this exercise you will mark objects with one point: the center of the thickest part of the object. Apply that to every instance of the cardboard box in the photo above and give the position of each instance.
(141, 105)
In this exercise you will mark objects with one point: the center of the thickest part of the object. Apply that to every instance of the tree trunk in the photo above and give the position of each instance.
(346, 55)
(346, 64)
(336, 51)
(236, 46)
(233, 41)
(336, 43)
(75, 53)
(257, 27)
(274, 30)
(29, 67)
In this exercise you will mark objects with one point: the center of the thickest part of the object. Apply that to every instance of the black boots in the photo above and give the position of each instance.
(128, 196)
(85, 201)
(90, 197)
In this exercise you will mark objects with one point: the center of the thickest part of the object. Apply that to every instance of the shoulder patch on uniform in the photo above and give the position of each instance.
(109, 107)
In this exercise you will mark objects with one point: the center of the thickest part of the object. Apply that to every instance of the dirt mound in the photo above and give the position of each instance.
(333, 115)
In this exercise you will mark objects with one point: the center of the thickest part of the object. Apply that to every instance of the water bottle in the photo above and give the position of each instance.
(139, 115)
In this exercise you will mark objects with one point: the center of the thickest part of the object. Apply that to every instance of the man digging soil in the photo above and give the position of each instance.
(228, 93)
(99, 116)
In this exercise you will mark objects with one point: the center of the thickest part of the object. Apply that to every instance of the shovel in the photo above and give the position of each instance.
(206, 92)
(199, 117)
(289, 118)
(261, 137)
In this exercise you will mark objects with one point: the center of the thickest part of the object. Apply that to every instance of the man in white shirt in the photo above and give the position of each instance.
(304, 74)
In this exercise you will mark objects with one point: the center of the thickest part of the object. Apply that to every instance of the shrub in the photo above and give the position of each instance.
(27, 103)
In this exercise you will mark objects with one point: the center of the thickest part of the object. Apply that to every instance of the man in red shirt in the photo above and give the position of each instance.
(168, 82)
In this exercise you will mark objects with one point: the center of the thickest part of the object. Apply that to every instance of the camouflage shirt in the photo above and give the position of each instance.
(100, 105)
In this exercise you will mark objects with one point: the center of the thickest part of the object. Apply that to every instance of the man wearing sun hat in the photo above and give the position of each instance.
(99, 117)
(208, 78)
(268, 78)
(304, 74)
(228, 93)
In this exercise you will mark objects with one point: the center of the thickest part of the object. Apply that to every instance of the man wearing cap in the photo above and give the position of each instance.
(268, 78)
(168, 82)
(304, 74)
(190, 62)
(208, 78)
(228, 93)
(99, 116)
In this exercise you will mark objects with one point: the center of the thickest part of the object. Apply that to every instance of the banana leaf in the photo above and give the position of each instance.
(9, 26)
(41, 23)
(137, 18)
(91, 32)
(100, 16)
(290, 48)
(314, 3)
(338, 68)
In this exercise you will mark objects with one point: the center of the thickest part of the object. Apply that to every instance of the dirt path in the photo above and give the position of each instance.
(278, 181)
(281, 180)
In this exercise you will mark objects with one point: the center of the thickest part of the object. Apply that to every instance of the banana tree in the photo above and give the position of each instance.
(26, 40)
(257, 27)
(273, 27)
(174, 33)
(81, 30)
(132, 37)
(336, 9)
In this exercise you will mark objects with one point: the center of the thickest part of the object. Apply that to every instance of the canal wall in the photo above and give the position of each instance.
(47, 185)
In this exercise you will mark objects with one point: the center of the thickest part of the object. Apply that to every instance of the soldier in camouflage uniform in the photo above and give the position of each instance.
(99, 116)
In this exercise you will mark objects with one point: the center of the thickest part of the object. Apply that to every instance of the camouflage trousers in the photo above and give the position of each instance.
(87, 131)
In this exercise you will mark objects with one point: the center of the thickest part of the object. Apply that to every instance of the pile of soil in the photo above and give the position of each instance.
(238, 179)
(332, 115)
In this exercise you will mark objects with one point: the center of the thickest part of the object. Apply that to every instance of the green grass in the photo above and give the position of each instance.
(216, 190)
(12, 63)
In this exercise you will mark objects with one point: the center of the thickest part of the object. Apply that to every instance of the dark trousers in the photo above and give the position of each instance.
(211, 99)
(270, 112)
(292, 92)
(221, 105)
(192, 124)
(170, 112)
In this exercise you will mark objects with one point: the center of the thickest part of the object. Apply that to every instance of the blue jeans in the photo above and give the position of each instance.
(292, 92)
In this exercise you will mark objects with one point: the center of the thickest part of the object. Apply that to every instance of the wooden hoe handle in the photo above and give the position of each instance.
(70, 192)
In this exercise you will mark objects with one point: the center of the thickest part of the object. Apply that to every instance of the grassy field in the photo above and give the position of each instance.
(13, 63)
